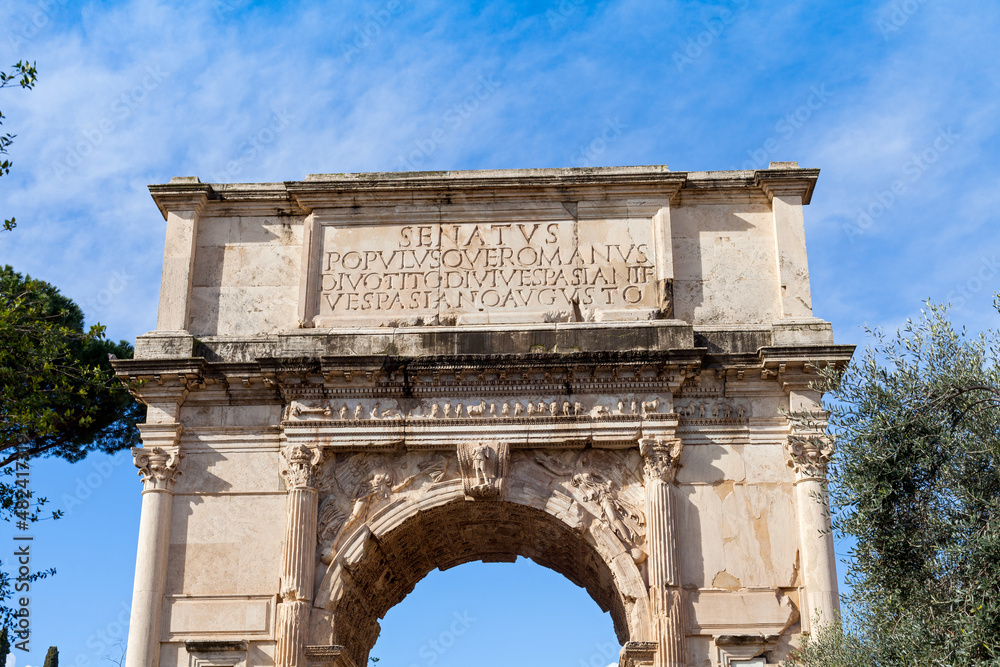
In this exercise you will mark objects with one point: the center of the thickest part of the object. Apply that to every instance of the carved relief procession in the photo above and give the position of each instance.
(543, 406)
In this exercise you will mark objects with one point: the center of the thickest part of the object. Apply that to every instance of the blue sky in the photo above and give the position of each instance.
(897, 102)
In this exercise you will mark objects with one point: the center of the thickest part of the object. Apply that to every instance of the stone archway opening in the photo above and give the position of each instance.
(495, 615)
(387, 567)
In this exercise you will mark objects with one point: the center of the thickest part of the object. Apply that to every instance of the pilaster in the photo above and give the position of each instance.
(809, 449)
(181, 202)
(789, 188)
(662, 460)
(298, 558)
(158, 464)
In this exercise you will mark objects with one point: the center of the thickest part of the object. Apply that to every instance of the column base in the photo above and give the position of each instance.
(293, 627)
(637, 654)
(328, 656)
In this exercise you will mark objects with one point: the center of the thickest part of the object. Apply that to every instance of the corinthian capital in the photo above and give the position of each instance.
(662, 457)
(157, 466)
(301, 462)
(809, 452)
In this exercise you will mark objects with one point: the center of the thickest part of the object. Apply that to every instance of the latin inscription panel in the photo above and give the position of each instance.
(491, 272)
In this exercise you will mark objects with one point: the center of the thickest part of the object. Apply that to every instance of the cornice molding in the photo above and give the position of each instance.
(800, 182)
(332, 191)
(185, 193)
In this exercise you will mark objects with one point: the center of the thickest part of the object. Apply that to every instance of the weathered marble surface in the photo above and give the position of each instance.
(357, 379)
(486, 248)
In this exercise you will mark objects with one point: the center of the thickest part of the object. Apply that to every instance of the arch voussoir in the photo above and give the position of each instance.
(435, 526)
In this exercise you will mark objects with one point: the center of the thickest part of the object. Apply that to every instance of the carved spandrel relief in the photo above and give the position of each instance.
(602, 493)
(354, 487)
(484, 468)
(606, 485)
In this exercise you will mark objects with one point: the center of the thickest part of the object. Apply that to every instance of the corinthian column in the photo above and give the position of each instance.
(158, 468)
(298, 558)
(809, 449)
(662, 459)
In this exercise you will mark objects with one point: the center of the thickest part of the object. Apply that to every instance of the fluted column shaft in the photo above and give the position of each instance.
(158, 468)
(820, 571)
(298, 558)
(666, 603)
(809, 450)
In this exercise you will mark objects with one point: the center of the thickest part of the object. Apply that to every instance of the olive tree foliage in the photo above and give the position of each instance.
(833, 646)
(915, 481)
(58, 393)
(21, 75)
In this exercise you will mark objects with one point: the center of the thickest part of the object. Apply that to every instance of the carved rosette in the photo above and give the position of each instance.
(809, 453)
(157, 466)
(300, 465)
(662, 457)
(483, 466)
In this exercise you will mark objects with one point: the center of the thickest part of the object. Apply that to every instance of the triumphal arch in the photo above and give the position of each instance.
(358, 378)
